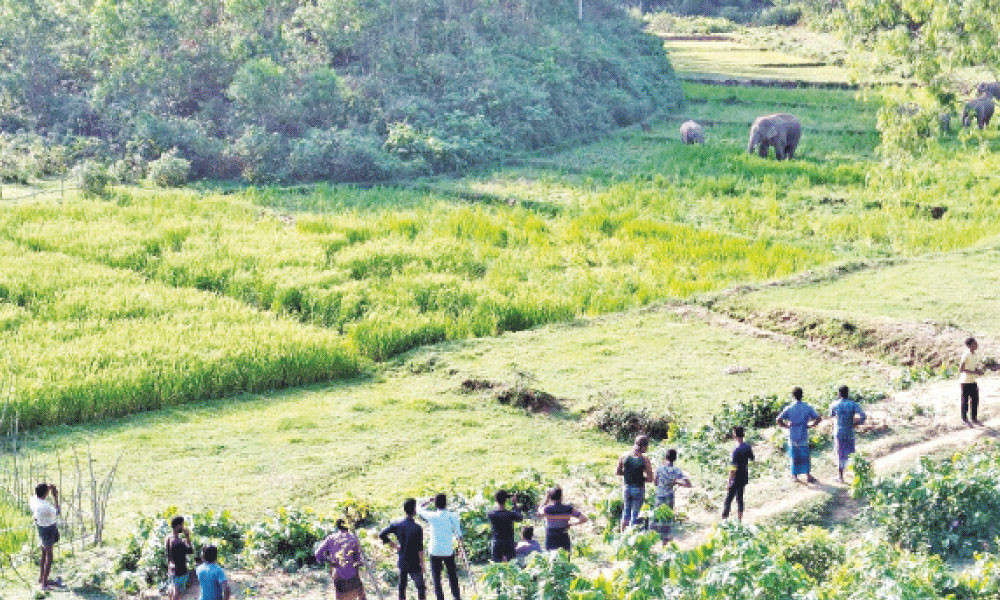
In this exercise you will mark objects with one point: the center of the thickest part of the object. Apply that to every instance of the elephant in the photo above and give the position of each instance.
(991, 89)
(782, 131)
(982, 107)
(692, 133)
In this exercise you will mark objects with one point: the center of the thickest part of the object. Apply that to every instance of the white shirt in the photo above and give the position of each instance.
(44, 512)
(970, 360)
(445, 527)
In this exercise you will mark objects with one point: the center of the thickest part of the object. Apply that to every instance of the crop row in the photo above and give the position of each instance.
(84, 342)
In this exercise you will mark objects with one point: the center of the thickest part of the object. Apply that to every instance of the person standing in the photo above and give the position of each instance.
(409, 545)
(798, 417)
(668, 476)
(559, 518)
(342, 550)
(211, 577)
(446, 529)
(969, 368)
(739, 475)
(848, 414)
(502, 544)
(46, 516)
(178, 546)
(635, 468)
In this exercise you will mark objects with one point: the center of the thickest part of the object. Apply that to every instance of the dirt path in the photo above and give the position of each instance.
(889, 455)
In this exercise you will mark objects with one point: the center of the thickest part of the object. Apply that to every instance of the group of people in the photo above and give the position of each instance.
(636, 469)
(342, 550)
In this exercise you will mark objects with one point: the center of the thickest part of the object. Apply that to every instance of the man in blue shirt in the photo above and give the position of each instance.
(410, 547)
(211, 577)
(797, 418)
(848, 414)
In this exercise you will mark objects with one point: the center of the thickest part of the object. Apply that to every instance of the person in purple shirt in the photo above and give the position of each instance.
(797, 418)
(342, 551)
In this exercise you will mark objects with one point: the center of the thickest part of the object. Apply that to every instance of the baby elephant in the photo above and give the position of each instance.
(692, 133)
(780, 130)
(982, 107)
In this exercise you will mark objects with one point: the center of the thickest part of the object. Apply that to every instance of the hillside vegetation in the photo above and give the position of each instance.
(299, 90)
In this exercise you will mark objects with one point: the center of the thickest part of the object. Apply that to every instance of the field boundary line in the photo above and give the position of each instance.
(771, 83)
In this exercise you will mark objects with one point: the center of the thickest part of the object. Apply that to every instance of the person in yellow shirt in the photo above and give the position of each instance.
(969, 368)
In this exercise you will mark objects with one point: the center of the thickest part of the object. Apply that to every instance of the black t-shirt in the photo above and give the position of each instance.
(502, 522)
(410, 537)
(742, 456)
(178, 551)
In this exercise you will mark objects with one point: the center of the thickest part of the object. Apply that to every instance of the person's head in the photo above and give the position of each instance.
(177, 524)
(441, 501)
(341, 525)
(210, 553)
(738, 432)
(844, 392)
(797, 393)
(670, 456)
(501, 497)
(528, 533)
(410, 507)
(971, 344)
(642, 443)
(42, 490)
(554, 495)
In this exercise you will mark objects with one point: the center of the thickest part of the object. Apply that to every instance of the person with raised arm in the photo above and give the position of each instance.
(559, 518)
(502, 543)
(446, 532)
(46, 515)
(178, 546)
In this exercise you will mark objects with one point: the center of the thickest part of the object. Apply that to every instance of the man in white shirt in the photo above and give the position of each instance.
(46, 515)
(445, 529)
(968, 369)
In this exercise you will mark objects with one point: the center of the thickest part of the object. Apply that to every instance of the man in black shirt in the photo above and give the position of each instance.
(739, 475)
(410, 547)
(502, 521)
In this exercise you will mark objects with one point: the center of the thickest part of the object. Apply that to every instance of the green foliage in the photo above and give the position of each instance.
(91, 177)
(287, 537)
(169, 170)
(548, 575)
(144, 550)
(756, 412)
(780, 16)
(315, 89)
(948, 507)
(528, 490)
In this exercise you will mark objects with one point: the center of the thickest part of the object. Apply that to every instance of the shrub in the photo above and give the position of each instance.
(91, 177)
(169, 170)
(756, 412)
(624, 423)
(287, 537)
(784, 16)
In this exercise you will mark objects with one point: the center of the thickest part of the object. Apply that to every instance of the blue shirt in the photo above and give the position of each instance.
(445, 527)
(211, 577)
(410, 537)
(798, 415)
(845, 410)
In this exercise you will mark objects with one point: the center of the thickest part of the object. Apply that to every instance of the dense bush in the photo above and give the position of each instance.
(287, 538)
(780, 15)
(349, 90)
(169, 170)
(91, 177)
(625, 423)
(949, 507)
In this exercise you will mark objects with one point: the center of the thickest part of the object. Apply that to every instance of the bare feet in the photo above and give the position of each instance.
(811, 479)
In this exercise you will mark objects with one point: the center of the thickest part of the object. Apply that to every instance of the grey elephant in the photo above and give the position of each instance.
(989, 88)
(692, 133)
(780, 130)
(982, 108)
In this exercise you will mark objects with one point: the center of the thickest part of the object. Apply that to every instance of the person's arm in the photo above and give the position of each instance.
(384, 536)
(579, 516)
(683, 480)
(782, 420)
(860, 417)
(323, 551)
(751, 455)
(621, 466)
(226, 592)
(55, 499)
(649, 468)
(423, 562)
(457, 522)
(170, 559)
(656, 478)
(424, 514)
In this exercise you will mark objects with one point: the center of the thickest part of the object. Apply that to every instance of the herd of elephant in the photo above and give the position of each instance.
(779, 131)
(783, 131)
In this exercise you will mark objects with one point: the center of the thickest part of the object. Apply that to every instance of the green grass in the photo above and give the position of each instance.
(736, 60)
(651, 359)
(958, 289)
(412, 430)
(85, 342)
